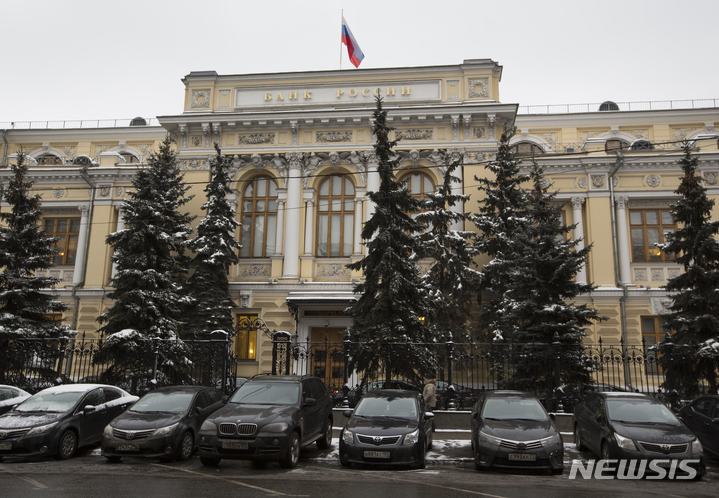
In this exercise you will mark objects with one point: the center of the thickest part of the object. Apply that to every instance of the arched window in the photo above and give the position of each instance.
(527, 149)
(614, 145)
(259, 217)
(130, 158)
(48, 160)
(642, 144)
(419, 184)
(335, 217)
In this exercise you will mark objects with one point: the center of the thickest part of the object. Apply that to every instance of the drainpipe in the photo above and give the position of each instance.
(4, 149)
(617, 276)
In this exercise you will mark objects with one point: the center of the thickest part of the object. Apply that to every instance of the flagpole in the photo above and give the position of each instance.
(342, 15)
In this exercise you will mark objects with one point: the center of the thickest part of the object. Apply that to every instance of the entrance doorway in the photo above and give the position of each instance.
(327, 355)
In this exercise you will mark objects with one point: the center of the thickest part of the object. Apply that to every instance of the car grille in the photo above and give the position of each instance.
(5, 434)
(520, 445)
(132, 435)
(229, 429)
(377, 440)
(664, 448)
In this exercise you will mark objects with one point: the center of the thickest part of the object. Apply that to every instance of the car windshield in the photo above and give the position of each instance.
(267, 393)
(513, 409)
(7, 393)
(405, 408)
(634, 411)
(164, 402)
(51, 402)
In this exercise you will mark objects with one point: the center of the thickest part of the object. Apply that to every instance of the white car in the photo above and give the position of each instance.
(11, 396)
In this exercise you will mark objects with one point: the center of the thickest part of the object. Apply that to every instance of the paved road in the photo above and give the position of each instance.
(90, 476)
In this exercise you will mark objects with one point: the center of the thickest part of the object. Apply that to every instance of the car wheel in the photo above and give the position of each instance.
(186, 446)
(67, 445)
(326, 440)
(113, 459)
(577, 439)
(291, 455)
(210, 461)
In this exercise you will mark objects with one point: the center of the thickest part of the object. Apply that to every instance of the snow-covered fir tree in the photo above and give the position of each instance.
(149, 254)
(215, 250)
(451, 280)
(540, 300)
(387, 330)
(25, 251)
(690, 354)
(501, 220)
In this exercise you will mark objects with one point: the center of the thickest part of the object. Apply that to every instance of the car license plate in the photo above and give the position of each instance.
(522, 457)
(5, 446)
(376, 454)
(127, 447)
(235, 445)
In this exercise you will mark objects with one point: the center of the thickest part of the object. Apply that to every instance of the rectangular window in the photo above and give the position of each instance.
(649, 227)
(246, 337)
(66, 230)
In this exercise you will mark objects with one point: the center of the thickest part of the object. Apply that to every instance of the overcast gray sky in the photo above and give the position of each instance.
(77, 59)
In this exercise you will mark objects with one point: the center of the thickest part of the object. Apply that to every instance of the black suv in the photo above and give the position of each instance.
(269, 417)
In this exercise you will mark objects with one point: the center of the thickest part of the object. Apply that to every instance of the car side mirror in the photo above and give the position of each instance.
(428, 415)
(309, 402)
(348, 413)
(88, 410)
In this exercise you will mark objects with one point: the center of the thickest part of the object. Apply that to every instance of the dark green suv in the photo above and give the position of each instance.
(269, 418)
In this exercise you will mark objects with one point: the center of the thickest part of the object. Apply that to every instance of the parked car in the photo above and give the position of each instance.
(702, 417)
(355, 394)
(388, 427)
(59, 420)
(632, 425)
(512, 429)
(164, 423)
(269, 417)
(571, 394)
(10, 397)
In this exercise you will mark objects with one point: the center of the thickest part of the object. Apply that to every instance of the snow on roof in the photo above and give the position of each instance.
(74, 388)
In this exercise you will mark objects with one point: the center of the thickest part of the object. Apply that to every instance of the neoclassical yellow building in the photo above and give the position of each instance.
(302, 144)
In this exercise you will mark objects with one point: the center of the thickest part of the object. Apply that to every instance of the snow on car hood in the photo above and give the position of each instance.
(18, 420)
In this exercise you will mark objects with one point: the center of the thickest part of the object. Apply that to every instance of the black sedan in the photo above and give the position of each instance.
(58, 420)
(164, 423)
(512, 429)
(10, 397)
(388, 427)
(633, 425)
(702, 417)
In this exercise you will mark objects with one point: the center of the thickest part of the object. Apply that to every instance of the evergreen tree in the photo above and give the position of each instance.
(450, 280)
(148, 294)
(501, 220)
(540, 300)
(215, 250)
(690, 354)
(25, 251)
(387, 328)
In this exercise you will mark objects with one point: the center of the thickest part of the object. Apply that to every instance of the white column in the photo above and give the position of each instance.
(623, 241)
(577, 219)
(292, 221)
(357, 246)
(120, 226)
(309, 226)
(280, 226)
(81, 255)
(372, 186)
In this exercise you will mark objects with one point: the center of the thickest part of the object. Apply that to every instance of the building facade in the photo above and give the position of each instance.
(303, 163)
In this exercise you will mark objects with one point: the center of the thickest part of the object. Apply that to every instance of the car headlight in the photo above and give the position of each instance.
(552, 440)
(697, 448)
(625, 443)
(108, 431)
(41, 429)
(164, 431)
(483, 436)
(276, 427)
(348, 437)
(208, 426)
(411, 438)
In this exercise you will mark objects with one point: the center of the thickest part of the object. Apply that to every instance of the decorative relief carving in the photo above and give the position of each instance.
(597, 181)
(661, 305)
(196, 140)
(58, 193)
(200, 99)
(653, 180)
(256, 138)
(673, 272)
(657, 274)
(332, 270)
(333, 136)
(119, 191)
(582, 182)
(640, 274)
(479, 132)
(711, 177)
(479, 88)
(189, 164)
(414, 134)
(105, 190)
(254, 270)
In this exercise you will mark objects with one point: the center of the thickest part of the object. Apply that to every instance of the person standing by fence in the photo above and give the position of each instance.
(429, 393)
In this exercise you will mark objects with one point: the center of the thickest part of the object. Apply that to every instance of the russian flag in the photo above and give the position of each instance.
(355, 52)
